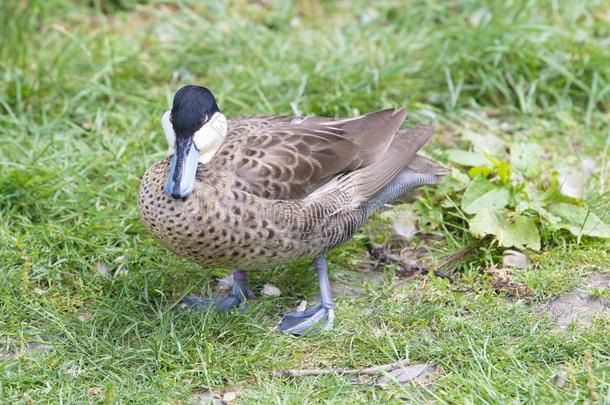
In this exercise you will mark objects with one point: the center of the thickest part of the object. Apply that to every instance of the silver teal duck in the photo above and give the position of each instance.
(261, 191)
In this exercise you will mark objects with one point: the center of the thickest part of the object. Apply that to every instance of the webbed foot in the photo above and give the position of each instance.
(318, 318)
(239, 294)
(314, 320)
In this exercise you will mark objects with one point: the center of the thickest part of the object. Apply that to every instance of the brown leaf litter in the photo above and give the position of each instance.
(502, 281)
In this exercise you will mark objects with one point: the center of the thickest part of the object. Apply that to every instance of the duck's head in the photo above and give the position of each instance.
(194, 129)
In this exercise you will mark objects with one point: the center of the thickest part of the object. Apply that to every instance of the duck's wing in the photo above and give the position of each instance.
(372, 181)
(289, 157)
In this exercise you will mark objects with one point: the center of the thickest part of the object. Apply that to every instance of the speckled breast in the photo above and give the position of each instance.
(216, 227)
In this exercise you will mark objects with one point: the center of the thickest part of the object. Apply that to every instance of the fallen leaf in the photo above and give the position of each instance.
(101, 269)
(84, 317)
(28, 348)
(502, 281)
(94, 394)
(514, 258)
(225, 283)
(271, 291)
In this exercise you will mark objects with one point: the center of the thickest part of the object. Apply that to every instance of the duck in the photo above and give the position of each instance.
(261, 191)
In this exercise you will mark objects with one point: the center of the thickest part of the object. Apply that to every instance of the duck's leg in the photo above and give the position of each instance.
(318, 318)
(239, 293)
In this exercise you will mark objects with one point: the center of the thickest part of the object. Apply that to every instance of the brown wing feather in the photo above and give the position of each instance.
(289, 157)
(365, 182)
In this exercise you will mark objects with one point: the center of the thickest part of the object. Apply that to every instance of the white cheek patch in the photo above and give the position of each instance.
(168, 130)
(210, 137)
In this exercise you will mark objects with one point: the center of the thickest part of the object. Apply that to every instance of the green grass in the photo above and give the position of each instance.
(82, 89)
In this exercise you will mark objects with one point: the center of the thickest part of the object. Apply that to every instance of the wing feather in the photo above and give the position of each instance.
(290, 157)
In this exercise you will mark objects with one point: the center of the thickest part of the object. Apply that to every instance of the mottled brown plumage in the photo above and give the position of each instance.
(283, 188)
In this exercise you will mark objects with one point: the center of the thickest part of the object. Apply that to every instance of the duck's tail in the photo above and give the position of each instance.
(421, 172)
(397, 171)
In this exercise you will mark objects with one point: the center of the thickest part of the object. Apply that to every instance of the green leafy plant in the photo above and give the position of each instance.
(507, 197)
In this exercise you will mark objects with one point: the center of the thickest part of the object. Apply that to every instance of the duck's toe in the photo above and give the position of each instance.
(237, 299)
(315, 320)
(195, 303)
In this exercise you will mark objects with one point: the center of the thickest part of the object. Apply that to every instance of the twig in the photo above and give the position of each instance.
(451, 262)
(315, 372)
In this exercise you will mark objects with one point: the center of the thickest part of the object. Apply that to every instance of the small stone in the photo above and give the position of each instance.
(369, 15)
(295, 22)
(271, 291)
(229, 396)
(572, 183)
(182, 75)
(589, 166)
(514, 258)
(302, 306)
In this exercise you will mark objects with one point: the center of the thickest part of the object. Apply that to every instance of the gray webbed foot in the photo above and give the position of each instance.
(314, 320)
(239, 294)
(318, 318)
